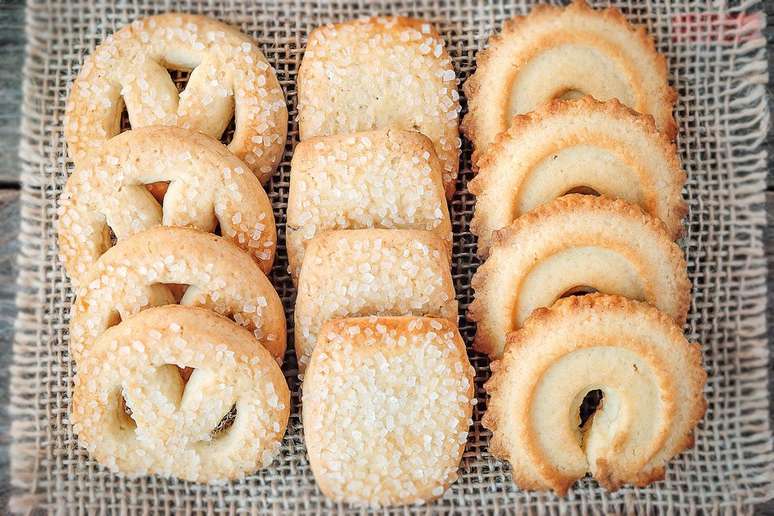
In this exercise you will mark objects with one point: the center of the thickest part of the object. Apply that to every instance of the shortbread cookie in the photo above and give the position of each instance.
(565, 52)
(386, 408)
(575, 243)
(568, 146)
(229, 77)
(209, 188)
(651, 380)
(378, 73)
(133, 275)
(376, 179)
(371, 272)
(136, 415)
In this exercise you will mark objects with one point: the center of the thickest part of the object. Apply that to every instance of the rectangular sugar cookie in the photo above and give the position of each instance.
(387, 179)
(377, 73)
(371, 272)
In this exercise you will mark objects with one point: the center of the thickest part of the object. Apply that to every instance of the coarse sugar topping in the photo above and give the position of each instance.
(137, 272)
(136, 414)
(377, 179)
(230, 77)
(378, 272)
(208, 188)
(386, 408)
(378, 73)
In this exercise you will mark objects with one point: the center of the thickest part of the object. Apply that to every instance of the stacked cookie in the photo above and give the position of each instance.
(167, 234)
(387, 386)
(566, 102)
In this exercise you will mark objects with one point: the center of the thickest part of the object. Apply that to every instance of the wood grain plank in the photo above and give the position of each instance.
(9, 248)
(11, 60)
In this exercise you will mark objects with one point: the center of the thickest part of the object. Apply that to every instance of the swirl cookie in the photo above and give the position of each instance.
(568, 146)
(651, 381)
(380, 73)
(565, 52)
(386, 409)
(208, 188)
(576, 242)
(134, 275)
(377, 272)
(173, 427)
(230, 77)
(376, 179)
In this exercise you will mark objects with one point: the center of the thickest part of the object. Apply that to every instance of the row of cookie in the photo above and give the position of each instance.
(177, 333)
(543, 240)
(369, 235)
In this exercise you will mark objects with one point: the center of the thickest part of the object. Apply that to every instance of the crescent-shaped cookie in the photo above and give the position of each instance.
(386, 409)
(567, 146)
(136, 415)
(387, 179)
(576, 242)
(565, 52)
(377, 272)
(209, 188)
(651, 381)
(229, 77)
(379, 73)
(134, 274)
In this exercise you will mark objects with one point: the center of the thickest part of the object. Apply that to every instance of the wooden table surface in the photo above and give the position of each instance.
(11, 60)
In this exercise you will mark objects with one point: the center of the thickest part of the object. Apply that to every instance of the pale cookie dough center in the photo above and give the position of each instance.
(569, 69)
(583, 168)
(587, 267)
(624, 430)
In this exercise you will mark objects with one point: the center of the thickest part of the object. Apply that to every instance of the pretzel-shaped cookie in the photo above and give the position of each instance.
(229, 76)
(174, 428)
(133, 275)
(651, 380)
(208, 187)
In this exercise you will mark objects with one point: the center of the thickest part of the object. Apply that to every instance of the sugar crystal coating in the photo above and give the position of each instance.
(230, 77)
(207, 189)
(377, 272)
(386, 409)
(134, 275)
(377, 73)
(170, 427)
(376, 179)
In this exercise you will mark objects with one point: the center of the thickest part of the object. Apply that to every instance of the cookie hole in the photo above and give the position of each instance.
(591, 402)
(570, 94)
(177, 290)
(158, 190)
(228, 133)
(185, 372)
(580, 290)
(583, 190)
(225, 423)
(114, 319)
(124, 413)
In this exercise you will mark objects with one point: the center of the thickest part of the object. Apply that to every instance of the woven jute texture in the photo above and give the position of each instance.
(717, 63)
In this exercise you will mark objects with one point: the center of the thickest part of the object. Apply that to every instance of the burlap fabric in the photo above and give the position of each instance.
(717, 63)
